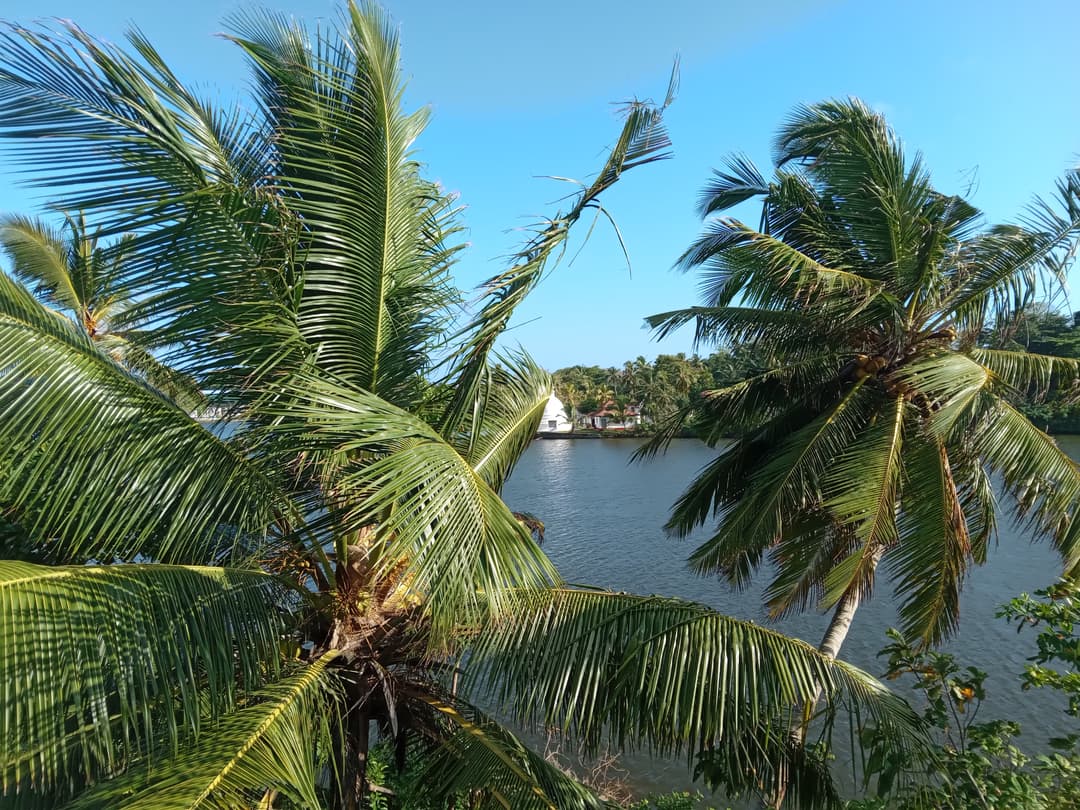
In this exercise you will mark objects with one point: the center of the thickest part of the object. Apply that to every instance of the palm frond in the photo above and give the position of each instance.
(771, 273)
(861, 490)
(1044, 481)
(1000, 272)
(932, 557)
(486, 761)
(507, 414)
(100, 464)
(672, 676)
(390, 470)
(39, 257)
(741, 180)
(279, 743)
(375, 278)
(103, 664)
(643, 140)
(768, 491)
(1034, 376)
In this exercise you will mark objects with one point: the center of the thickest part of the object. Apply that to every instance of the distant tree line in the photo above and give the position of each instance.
(669, 384)
(1044, 331)
(673, 383)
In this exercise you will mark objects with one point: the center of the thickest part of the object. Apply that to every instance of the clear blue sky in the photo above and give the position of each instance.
(989, 91)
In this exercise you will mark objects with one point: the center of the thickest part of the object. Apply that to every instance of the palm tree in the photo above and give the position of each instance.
(266, 590)
(72, 272)
(875, 435)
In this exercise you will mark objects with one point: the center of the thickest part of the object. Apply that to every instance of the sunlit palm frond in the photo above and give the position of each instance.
(935, 549)
(130, 145)
(40, 259)
(643, 140)
(100, 464)
(390, 470)
(374, 282)
(770, 273)
(672, 676)
(280, 742)
(103, 664)
(876, 192)
(1043, 479)
(999, 273)
(1032, 376)
(505, 419)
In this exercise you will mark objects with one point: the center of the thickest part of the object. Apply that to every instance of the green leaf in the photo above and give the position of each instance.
(103, 664)
(660, 673)
(484, 757)
(279, 743)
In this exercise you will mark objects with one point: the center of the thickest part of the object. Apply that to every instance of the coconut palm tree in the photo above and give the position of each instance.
(70, 271)
(266, 591)
(875, 435)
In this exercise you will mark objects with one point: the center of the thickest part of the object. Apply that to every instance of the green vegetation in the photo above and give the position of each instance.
(670, 385)
(978, 762)
(1044, 331)
(334, 561)
(874, 435)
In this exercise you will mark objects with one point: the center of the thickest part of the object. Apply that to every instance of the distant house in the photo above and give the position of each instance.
(609, 418)
(554, 419)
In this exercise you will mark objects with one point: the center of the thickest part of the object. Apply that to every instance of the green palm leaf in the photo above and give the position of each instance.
(507, 415)
(643, 140)
(484, 757)
(391, 470)
(755, 509)
(280, 743)
(861, 491)
(101, 464)
(670, 675)
(936, 546)
(374, 267)
(100, 665)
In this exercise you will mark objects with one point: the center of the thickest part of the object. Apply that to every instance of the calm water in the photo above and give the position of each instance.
(604, 518)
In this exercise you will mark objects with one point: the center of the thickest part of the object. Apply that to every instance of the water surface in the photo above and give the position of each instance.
(604, 519)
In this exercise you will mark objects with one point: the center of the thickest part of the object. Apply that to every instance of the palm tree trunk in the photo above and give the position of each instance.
(359, 731)
(834, 637)
(840, 624)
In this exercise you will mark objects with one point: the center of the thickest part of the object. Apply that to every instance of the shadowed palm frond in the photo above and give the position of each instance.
(102, 665)
(861, 490)
(740, 181)
(483, 757)
(771, 489)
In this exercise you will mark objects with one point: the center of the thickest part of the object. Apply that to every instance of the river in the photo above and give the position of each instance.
(604, 518)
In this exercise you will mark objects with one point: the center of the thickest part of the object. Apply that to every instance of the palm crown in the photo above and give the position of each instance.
(325, 559)
(877, 433)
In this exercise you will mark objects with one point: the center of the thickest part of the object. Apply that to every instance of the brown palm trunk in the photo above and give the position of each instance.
(355, 782)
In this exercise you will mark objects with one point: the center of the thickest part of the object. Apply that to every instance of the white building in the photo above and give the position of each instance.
(554, 419)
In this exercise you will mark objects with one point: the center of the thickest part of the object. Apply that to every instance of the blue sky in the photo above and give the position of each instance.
(988, 91)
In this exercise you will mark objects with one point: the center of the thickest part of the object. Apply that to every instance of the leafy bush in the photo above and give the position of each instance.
(979, 764)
